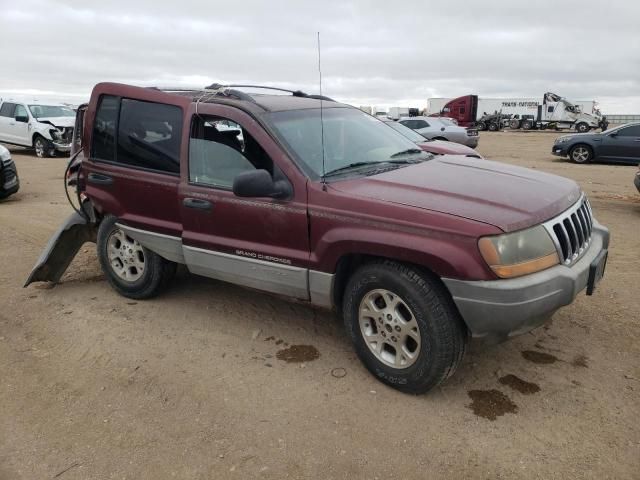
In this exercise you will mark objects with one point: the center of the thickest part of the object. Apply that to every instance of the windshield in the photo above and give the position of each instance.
(45, 111)
(407, 132)
(350, 137)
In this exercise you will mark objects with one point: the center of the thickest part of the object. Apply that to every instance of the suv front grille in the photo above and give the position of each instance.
(571, 231)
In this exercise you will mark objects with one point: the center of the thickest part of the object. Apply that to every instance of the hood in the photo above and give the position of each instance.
(510, 198)
(59, 121)
(443, 148)
(578, 135)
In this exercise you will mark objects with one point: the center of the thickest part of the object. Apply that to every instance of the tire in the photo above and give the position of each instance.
(493, 127)
(581, 153)
(425, 321)
(481, 126)
(440, 138)
(514, 124)
(582, 127)
(527, 125)
(42, 147)
(142, 273)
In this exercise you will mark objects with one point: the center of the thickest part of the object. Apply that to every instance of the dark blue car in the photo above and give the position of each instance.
(616, 145)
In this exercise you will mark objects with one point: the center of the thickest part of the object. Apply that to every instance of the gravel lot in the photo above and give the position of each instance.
(192, 384)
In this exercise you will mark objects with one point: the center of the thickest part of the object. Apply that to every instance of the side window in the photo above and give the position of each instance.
(409, 123)
(149, 135)
(421, 124)
(220, 149)
(104, 129)
(550, 108)
(20, 111)
(632, 131)
(7, 109)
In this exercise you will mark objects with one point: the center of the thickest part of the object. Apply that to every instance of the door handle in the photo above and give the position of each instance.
(100, 179)
(197, 203)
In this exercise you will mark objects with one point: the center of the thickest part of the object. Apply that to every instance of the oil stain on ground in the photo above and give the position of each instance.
(519, 385)
(491, 404)
(298, 353)
(580, 361)
(539, 357)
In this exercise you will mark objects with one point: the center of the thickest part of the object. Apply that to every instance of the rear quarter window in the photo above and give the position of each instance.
(138, 134)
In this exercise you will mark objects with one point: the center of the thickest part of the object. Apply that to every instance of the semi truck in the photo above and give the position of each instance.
(552, 111)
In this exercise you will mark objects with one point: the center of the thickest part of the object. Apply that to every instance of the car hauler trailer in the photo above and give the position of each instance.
(527, 113)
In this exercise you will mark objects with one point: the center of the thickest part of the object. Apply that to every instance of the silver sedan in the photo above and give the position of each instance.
(435, 129)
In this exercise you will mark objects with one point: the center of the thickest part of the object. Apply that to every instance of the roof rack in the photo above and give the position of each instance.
(295, 93)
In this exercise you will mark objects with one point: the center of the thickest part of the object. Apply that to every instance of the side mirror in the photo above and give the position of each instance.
(22, 118)
(258, 183)
(613, 134)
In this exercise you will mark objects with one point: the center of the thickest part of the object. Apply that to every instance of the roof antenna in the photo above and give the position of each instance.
(324, 181)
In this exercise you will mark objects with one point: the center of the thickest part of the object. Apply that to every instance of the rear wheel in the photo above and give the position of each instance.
(527, 125)
(404, 326)
(481, 126)
(514, 124)
(131, 269)
(440, 138)
(493, 127)
(581, 154)
(42, 147)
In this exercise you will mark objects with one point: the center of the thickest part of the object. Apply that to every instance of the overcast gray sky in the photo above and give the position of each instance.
(373, 52)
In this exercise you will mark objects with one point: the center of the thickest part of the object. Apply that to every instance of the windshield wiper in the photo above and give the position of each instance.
(350, 167)
(408, 151)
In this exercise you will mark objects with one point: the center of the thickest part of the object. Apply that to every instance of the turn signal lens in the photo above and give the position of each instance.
(532, 266)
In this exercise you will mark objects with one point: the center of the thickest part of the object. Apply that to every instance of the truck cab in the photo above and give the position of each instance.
(463, 109)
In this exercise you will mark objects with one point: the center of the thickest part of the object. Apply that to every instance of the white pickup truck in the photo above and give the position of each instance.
(46, 127)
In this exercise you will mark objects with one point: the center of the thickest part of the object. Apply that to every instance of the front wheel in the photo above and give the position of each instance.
(481, 126)
(582, 127)
(404, 326)
(493, 127)
(527, 125)
(131, 269)
(581, 154)
(42, 147)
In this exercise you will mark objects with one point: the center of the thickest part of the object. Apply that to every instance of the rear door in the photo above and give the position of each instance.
(6, 122)
(623, 147)
(257, 242)
(133, 169)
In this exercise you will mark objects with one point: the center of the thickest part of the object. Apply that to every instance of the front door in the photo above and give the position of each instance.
(624, 146)
(257, 242)
(20, 127)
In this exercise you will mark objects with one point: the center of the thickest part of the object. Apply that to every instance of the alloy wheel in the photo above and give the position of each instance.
(389, 328)
(126, 256)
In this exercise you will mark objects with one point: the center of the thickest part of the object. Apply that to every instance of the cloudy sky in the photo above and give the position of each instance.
(373, 52)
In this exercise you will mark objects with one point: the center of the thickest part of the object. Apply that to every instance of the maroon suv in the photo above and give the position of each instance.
(305, 197)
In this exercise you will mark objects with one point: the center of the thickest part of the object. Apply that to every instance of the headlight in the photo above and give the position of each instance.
(563, 139)
(519, 253)
(4, 154)
(55, 134)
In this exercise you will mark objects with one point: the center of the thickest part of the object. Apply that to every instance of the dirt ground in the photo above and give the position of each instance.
(195, 385)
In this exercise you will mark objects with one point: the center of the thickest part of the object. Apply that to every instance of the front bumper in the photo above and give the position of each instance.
(62, 147)
(498, 309)
(472, 142)
(9, 181)
(560, 150)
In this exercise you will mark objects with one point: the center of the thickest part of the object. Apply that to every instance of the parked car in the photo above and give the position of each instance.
(438, 147)
(619, 144)
(416, 252)
(46, 127)
(9, 182)
(435, 129)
